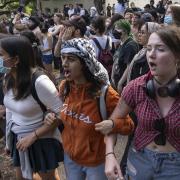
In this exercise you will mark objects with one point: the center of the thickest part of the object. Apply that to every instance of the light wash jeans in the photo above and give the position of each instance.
(151, 165)
(75, 171)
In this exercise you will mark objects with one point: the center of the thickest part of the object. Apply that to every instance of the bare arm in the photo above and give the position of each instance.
(112, 168)
(57, 31)
(59, 42)
(122, 80)
(119, 121)
(27, 141)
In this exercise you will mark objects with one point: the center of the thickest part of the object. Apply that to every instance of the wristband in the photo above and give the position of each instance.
(109, 153)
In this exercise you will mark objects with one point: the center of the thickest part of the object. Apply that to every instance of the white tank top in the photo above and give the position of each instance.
(45, 45)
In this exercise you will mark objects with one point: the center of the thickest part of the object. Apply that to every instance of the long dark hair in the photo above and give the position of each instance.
(35, 45)
(20, 48)
(99, 23)
(94, 90)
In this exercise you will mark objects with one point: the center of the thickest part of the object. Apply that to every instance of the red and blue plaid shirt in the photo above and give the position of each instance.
(147, 112)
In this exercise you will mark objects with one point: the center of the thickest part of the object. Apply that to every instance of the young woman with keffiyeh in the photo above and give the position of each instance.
(84, 146)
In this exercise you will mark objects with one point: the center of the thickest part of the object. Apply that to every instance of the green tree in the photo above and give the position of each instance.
(6, 6)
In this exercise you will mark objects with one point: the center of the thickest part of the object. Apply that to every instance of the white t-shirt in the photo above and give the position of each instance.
(102, 41)
(27, 111)
(119, 9)
(70, 12)
(82, 12)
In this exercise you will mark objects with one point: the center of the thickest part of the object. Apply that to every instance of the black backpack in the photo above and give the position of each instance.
(139, 68)
(105, 56)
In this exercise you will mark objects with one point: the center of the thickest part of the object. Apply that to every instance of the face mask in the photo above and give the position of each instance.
(116, 34)
(168, 19)
(44, 31)
(3, 69)
(92, 32)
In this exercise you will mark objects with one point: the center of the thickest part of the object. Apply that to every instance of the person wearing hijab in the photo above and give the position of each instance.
(84, 148)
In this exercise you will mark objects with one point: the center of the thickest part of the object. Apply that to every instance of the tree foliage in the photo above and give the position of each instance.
(9, 5)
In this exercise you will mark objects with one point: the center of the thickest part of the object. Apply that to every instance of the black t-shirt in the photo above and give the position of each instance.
(122, 57)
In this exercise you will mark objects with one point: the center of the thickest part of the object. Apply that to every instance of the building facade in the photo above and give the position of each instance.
(54, 5)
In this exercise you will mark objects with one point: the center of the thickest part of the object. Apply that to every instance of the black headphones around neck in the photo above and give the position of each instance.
(172, 88)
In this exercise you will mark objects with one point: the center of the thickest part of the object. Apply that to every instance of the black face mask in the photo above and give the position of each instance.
(44, 30)
(116, 34)
(92, 32)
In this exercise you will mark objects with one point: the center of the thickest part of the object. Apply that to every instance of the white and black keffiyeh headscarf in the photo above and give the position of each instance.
(84, 49)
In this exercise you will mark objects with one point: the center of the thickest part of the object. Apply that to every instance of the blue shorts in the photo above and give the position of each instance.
(47, 59)
(75, 171)
(147, 165)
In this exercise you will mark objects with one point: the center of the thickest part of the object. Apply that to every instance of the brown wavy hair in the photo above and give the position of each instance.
(170, 35)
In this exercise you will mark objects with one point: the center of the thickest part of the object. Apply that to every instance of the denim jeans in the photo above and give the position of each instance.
(152, 165)
(75, 171)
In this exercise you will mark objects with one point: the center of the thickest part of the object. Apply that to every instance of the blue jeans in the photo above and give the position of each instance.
(151, 165)
(75, 171)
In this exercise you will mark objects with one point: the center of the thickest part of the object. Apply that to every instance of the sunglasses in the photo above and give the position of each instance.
(160, 125)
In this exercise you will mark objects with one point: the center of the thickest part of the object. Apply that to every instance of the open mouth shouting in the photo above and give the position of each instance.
(152, 65)
(67, 73)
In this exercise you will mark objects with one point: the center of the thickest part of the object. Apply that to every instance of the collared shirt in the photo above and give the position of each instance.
(147, 112)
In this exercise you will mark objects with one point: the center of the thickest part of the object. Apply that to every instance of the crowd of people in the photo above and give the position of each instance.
(118, 73)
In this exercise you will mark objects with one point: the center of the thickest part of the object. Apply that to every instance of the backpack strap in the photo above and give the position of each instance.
(97, 43)
(35, 75)
(107, 43)
(102, 102)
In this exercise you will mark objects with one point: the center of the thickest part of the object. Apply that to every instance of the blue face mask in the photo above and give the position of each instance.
(3, 69)
(168, 19)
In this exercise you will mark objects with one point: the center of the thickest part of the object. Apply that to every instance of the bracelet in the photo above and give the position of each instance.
(109, 153)
(112, 123)
(36, 135)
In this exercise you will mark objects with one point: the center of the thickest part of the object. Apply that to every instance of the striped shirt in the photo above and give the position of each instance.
(147, 112)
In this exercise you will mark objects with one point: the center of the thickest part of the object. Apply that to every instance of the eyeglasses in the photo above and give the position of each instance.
(160, 125)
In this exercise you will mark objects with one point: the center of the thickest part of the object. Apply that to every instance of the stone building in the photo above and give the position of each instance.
(54, 5)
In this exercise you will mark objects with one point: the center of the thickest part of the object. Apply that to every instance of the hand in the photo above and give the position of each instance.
(105, 127)
(26, 141)
(112, 168)
(61, 33)
(49, 119)
(68, 34)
